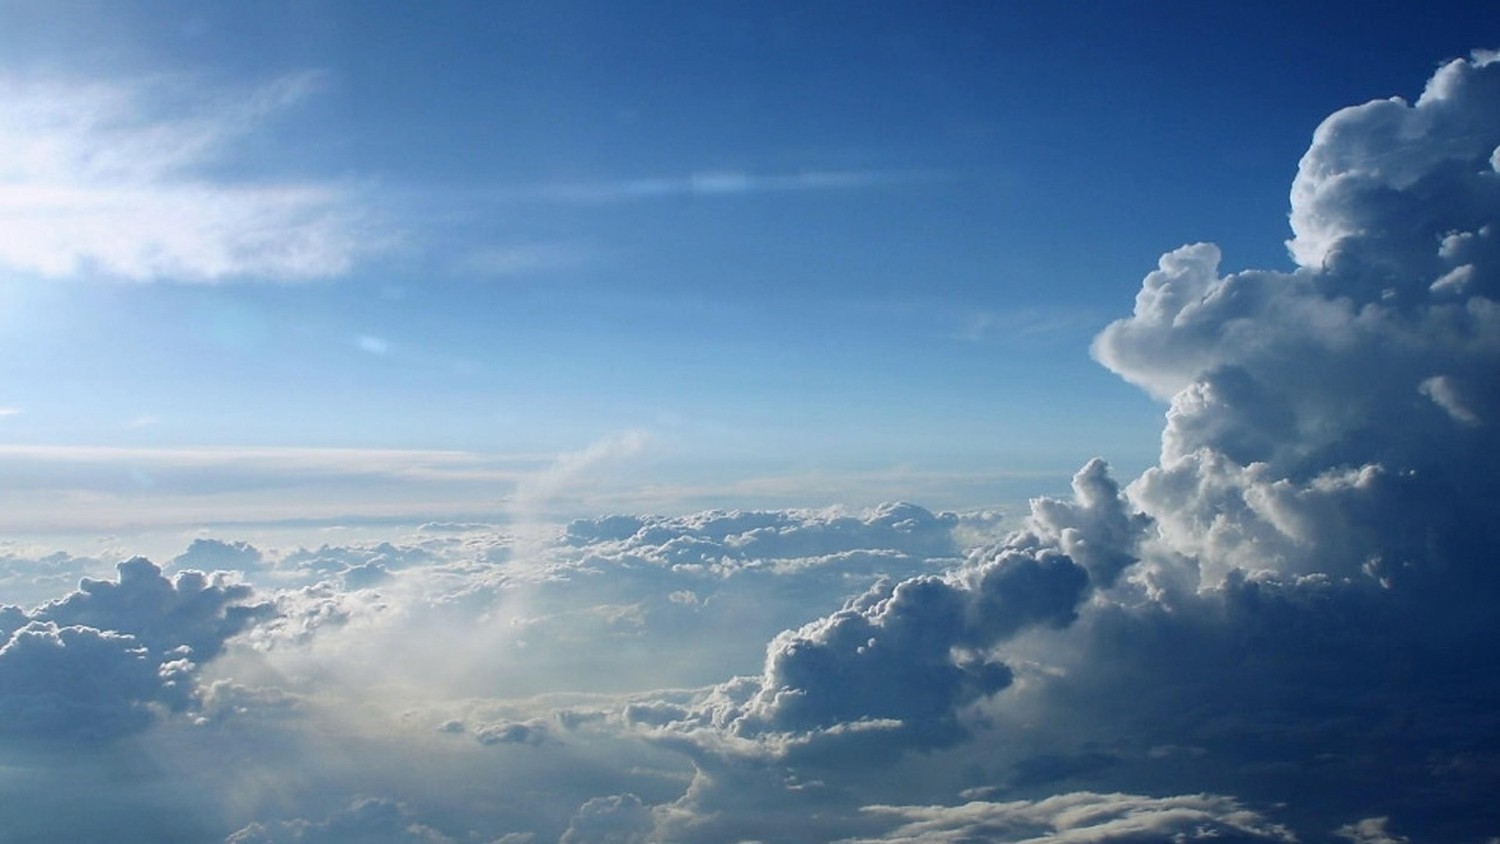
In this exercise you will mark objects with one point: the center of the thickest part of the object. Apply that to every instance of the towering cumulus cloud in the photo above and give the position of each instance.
(1339, 418)
(1297, 600)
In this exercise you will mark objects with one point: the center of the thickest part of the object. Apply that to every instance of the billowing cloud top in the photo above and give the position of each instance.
(1318, 416)
(95, 662)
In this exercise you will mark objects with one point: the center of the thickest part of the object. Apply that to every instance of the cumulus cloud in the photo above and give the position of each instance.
(99, 662)
(592, 608)
(216, 555)
(617, 819)
(911, 653)
(29, 578)
(907, 656)
(78, 682)
(120, 179)
(1365, 191)
(191, 614)
(1317, 416)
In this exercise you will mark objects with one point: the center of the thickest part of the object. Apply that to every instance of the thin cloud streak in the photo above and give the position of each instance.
(405, 463)
(54, 487)
(718, 183)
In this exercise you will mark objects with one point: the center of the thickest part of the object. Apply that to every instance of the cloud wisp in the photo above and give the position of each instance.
(125, 180)
(717, 183)
(111, 487)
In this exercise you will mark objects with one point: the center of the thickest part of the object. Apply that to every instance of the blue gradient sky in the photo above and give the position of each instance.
(786, 254)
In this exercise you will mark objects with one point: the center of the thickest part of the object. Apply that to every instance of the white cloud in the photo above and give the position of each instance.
(126, 180)
(1371, 831)
(1371, 166)
(907, 657)
(573, 473)
(374, 820)
(1078, 818)
(1316, 414)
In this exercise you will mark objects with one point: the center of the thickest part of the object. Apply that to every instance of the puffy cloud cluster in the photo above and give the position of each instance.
(471, 610)
(725, 580)
(96, 663)
(907, 656)
(1319, 416)
(907, 665)
(757, 535)
(79, 682)
(30, 579)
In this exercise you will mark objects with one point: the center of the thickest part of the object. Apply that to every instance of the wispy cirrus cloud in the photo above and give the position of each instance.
(521, 259)
(52, 487)
(291, 460)
(114, 179)
(724, 183)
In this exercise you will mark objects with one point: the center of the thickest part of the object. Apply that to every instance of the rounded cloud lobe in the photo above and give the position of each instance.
(99, 662)
(1340, 416)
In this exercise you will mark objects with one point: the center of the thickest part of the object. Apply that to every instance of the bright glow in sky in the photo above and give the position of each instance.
(372, 310)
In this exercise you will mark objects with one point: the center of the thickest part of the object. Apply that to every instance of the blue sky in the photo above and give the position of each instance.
(778, 241)
(330, 333)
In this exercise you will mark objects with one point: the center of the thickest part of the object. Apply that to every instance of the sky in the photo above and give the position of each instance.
(657, 422)
(767, 257)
